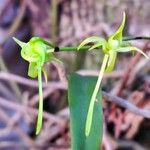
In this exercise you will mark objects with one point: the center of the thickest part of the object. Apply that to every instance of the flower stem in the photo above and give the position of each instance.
(93, 98)
(85, 48)
(130, 38)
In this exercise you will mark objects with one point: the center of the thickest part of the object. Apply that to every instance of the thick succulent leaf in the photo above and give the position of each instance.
(33, 70)
(111, 61)
(118, 34)
(92, 39)
(131, 48)
(79, 94)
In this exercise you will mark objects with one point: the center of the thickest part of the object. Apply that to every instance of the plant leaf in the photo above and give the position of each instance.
(79, 94)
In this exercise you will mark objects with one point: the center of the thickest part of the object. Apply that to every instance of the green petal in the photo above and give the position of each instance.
(93, 98)
(33, 70)
(111, 61)
(39, 39)
(131, 48)
(118, 34)
(45, 74)
(20, 43)
(98, 45)
(29, 55)
(93, 39)
(51, 57)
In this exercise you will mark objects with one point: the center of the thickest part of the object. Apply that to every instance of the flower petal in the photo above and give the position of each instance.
(98, 45)
(20, 43)
(92, 39)
(131, 48)
(118, 34)
(111, 61)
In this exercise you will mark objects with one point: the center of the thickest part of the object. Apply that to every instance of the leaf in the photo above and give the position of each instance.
(131, 48)
(92, 39)
(79, 94)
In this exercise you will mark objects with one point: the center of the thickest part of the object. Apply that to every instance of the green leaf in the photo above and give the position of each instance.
(92, 39)
(79, 94)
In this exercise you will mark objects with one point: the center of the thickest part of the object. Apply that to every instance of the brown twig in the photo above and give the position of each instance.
(10, 31)
(122, 102)
(123, 82)
(21, 108)
(125, 104)
(29, 82)
(114, 74)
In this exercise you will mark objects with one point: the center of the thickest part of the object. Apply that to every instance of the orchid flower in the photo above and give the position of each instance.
(37, 52)
(110, 48)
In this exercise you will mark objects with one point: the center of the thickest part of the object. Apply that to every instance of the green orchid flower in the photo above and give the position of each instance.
(110, 48)
(37, 52)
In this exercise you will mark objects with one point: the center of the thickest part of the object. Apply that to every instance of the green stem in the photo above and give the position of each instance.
(40, 112)
(93, 98)
(128, 38)
(73, 48)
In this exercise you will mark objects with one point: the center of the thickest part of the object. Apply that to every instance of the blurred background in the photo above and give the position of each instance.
(66, 23)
